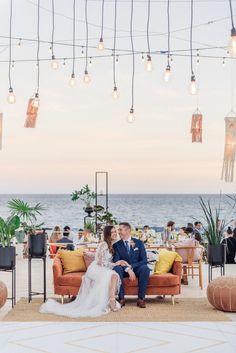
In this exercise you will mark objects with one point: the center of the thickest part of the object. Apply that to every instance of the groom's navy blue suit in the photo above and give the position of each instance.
(137, 258)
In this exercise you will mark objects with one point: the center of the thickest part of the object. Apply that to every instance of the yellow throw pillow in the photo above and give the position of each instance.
(166, 260)
(72, 261)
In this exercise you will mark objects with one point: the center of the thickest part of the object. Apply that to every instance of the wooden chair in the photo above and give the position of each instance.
(192, 262)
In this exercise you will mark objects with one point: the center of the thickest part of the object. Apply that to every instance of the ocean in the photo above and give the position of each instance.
(154, 210)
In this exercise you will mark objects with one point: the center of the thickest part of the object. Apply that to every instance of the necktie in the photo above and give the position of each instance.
(127, 246)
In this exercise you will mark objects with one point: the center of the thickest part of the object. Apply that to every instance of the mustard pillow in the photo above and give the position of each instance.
(166, 260)
(72, 261)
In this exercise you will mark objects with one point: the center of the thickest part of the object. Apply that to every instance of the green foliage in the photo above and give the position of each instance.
(215, 225)
(85, 194)
(90, 226)
(27, 214)
(7, 229)
(104, 216)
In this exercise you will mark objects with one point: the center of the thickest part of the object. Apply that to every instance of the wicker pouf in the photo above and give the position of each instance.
(221, 293)
(3, 294)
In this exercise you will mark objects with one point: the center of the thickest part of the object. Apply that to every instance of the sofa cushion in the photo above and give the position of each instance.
(166, 260)
(89, 258)
(70, 279)
(72, 261)
(163, 280)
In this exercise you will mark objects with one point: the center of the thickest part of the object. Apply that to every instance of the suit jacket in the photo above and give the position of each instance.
(66, 240)
(137, 255)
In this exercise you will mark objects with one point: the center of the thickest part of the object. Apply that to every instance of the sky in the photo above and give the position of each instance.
(82, 130)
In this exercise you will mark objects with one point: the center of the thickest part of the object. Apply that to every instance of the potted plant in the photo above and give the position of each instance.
(7, 233)
(214, 232)
(28, 216)
(86, 195)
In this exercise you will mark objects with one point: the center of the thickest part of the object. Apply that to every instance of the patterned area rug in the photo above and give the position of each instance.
(157, 310)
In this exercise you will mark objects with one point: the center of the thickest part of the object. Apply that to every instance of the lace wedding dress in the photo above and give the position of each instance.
(93, 297)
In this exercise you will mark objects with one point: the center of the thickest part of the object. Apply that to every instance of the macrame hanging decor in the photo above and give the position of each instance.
(230, 148)
(32, 112)
(196, 126)
(1, 131)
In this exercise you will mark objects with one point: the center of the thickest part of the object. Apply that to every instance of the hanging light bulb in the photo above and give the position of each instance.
(223, 62)
(193, 85)
(90, 61)
(131, 117)
(72, 81)
(11, 98)
(142, 58)
(198, 58)
(36, 101)
(82, 52)
(149, 65)
(13, 65)
(171, 59)
(117, 59)
(50, 49)
(64, 63)
(54, 63)
(115, 93)
(101, 44)
(87, 78)
(232, 43)
(112, 54)
(167, 74)
(19, 43)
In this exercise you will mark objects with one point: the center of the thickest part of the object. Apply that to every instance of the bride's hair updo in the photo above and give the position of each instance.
(107, 237)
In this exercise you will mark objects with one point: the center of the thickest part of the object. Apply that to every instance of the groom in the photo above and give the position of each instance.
(133, 254)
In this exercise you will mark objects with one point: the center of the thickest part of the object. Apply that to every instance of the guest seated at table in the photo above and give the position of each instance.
(169, 232)
(55, 236)
(230, 242)
(189, 232)
(148, 234)
(181, 234)
(66, 240)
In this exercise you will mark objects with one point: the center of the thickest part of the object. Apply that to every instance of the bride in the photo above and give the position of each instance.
(99, 285)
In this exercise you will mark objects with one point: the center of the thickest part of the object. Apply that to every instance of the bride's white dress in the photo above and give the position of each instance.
(93, 297)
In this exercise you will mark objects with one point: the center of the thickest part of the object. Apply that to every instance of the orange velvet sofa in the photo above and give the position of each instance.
(164, 284)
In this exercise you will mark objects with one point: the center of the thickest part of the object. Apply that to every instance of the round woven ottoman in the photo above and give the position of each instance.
(221, 293)
(3, 294)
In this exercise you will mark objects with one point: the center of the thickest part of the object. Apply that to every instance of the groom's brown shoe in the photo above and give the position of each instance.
(122, 302)
(141, 303)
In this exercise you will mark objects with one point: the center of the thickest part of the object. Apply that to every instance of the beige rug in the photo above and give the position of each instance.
(185, 309)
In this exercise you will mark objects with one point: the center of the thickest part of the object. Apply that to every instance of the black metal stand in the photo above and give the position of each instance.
(31, 293)
(13, 285)
(210, 267)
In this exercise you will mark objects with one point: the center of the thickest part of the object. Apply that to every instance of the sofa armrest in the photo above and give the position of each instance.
(57, 268)
(177, 269)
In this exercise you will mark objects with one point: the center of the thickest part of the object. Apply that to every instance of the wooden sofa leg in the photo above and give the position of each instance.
(173, 300)
(62, 299)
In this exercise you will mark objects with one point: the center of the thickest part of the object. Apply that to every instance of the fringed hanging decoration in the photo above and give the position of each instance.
(32, 112)
(230, 148)
(1, 131)
(196, 127)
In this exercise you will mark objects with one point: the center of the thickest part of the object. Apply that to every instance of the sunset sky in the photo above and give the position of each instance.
(82, 130)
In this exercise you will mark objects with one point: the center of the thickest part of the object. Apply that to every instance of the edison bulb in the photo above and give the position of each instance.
(131, 117)
(87, 78)
(11, 98)
(167, 74)
(232, 43)
(149, 65)
(72, 81)
(193, 86)
(54, 63)
(115, 93)
(100, 44)
(36, 101)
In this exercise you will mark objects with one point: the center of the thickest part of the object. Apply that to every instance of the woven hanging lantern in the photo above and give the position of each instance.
(1, 131)
(230, 148)
(32, 112)
(196, 126)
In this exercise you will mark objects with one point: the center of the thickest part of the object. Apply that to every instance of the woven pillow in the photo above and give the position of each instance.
(72, 261)
(165, 261)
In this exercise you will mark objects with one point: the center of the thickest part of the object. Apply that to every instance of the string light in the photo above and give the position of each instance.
(171, 59)
(142, 58)
(19, 43)
(198, 57)
(117, 59)
(72, 81)
(223, 62)
(82, 52)
(193, 85)
(54, 62)
(13, 65)
(232, 42)
(11, 98)
(131, 117)
(64, 63)
(149, 65)
(87, 78)
(115, 93)
(90, 61)
(168, 69)
(101, 43)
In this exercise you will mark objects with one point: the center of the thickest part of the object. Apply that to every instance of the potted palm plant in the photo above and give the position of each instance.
(7, 233)
(28, 216)
(214, 231)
